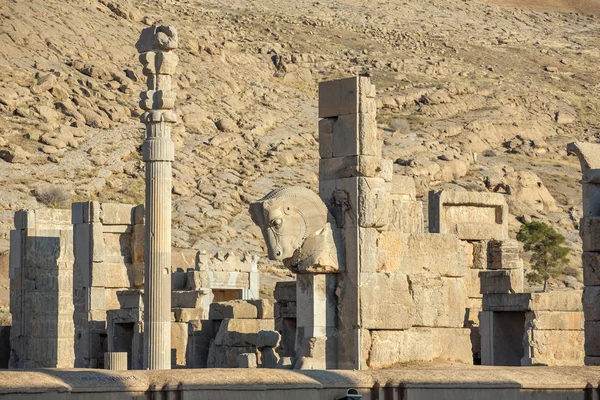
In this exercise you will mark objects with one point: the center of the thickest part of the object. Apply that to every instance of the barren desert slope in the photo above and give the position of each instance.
(469, 92)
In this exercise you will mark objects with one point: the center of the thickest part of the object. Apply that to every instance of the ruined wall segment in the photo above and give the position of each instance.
(402, 290)
(108, 258)
(589, 230)
(41, 289)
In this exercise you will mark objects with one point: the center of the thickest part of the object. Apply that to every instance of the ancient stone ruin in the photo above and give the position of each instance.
(589, 230)
(375, 287)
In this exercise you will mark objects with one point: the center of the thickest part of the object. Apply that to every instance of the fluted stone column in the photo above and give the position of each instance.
(159, 61)
(115, 361)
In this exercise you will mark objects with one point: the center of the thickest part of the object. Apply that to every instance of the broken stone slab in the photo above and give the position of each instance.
(240, 309)
(501, 281)
(567, 300)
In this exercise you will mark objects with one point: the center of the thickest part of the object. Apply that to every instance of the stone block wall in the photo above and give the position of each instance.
(404, 293)
(235, 330)
(479, 220)
(532, 329)
(589, 230)
(41, 285)
(109, 257)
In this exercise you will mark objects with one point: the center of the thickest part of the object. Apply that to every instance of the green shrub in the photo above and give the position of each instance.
(548, 256)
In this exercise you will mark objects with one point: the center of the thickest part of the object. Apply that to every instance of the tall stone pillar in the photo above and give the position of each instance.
(589, 230)
(159, 61)
(354, 182)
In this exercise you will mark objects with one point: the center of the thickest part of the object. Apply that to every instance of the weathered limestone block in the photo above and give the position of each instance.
(242, 332)
(197, 280)
(370, 209)
(589, 230)
(112, 275)
(406, 216)
(247, 360)
(404, 187)
(338, 97)
(435, 254)
(389, 348)
(504, 254)
(188, 314)
(480, 254)
(386, 302)
(264, 307)
(591, 303)
(183, 259)
(116, 214)
(326, 137)
(473, 284)
(186, 298)
(437, 302)
(179, 340)
(557, 347)
(566, 300)
(591, 268)
(130, 298)
(556, 320)
(501, 281)
(350, 102)
(239, 309)
(469, 215)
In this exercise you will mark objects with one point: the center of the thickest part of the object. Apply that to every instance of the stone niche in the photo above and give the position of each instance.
(532, 329)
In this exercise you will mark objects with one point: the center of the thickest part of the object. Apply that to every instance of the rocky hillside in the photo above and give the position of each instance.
(470, 95)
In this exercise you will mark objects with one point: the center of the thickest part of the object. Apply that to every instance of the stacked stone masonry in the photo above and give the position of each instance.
(589, 230)
(41, 290)
(91, 260)
(532, 329)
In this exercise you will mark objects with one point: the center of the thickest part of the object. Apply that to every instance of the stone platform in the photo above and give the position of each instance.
(440, 382)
